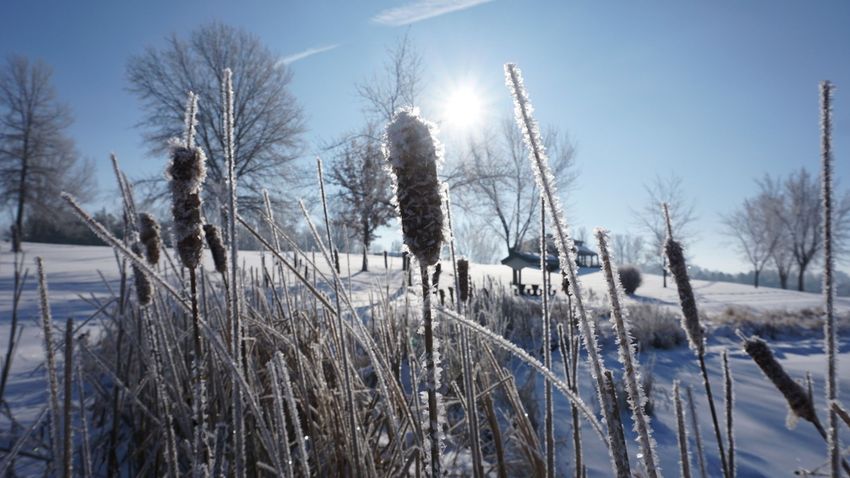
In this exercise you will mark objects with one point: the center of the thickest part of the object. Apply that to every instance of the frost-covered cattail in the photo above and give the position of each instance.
(216, 245)
(149, 234)
(799, 401)
(631, 367)
(144, 291)
(679, 269)
(187, 172)
(414, 154)
(691, 323)
(463, 279)
(794, 393)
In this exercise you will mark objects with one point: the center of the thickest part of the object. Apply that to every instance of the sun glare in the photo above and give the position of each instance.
(463, 108)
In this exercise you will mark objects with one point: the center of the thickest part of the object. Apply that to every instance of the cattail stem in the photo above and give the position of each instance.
(200, 454)
(681, 433)
(235, 318)
(697, 435)
(466, 351)
(631, 367)
(68, 426)
(85, 449)
(729, 406)
(432, 373)
(566, 359)
(349, 394)
(615, 428)
(50, 365)
(547, 347)
(833, 445)
(545, 180)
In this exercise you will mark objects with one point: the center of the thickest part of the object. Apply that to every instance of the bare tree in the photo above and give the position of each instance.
(756, 231)
(471, 243)
(363, 188)
(799, 209)
(496, 181)
(628, 248)
(267, 120)
(397, 86)
(682, 215)
(37, 158)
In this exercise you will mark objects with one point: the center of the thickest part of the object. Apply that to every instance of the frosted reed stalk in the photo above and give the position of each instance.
(833, 445)
(465, 350)
(545, 180)
(50, 364)
(68, 426)
(343, 350)
(547, 346)
(235, 319)
(729, 407)
(697, 435)
(681, 433)
(293, 413)
(631, 367)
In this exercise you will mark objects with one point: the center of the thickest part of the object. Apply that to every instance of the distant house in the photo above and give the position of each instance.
(528, 255)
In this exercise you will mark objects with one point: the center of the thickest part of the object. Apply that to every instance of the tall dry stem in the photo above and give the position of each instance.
(833, 443)
(545, 180)
(631, 367)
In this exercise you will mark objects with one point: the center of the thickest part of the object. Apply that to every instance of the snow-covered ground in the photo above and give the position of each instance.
(80, 277)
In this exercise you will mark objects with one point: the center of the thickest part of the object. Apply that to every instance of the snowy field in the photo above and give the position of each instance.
(80, 279)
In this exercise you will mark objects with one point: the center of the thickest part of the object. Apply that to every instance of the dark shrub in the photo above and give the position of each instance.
(631, 279)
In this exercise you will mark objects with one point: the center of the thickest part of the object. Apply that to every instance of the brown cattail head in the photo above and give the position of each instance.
(435, 278)
(187, 172)
(413, 154)
(794, 393)
(690, 316)
(149, 234)
(463, 279)
(144, 292)
(216, 245)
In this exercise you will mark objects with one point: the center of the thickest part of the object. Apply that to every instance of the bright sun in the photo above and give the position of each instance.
(463, 108)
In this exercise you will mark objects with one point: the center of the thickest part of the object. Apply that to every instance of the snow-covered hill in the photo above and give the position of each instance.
(80, 278)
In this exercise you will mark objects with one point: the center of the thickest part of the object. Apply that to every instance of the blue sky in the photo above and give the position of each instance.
(717, 93)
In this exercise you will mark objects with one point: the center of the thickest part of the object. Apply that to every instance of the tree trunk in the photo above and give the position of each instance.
(17, 237)
(783, 279)
(664, 270)
(365, 258)
(756, 278)
(800, 278)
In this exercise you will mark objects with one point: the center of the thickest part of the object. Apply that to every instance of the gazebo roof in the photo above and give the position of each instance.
(517, 260)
